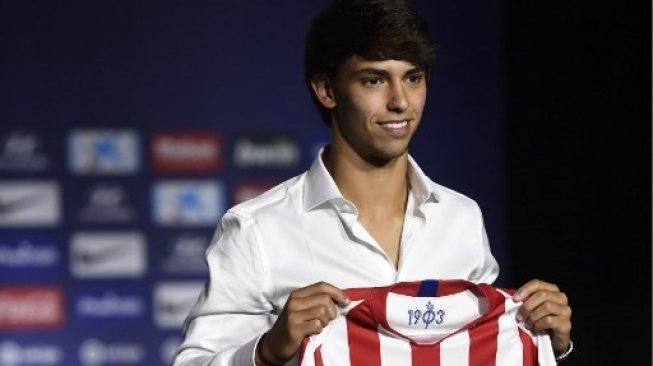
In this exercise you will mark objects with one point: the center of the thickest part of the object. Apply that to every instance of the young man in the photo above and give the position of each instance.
(363, 215)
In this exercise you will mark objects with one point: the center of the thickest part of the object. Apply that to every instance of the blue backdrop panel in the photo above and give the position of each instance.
(128, 128)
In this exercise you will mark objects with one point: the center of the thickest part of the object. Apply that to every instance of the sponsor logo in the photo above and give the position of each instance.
(247, 190)
(93, 352)
(192, 202)
(110, 305)
(22, 151)
(276, 152)
(104, 152)
(185, 254)
(31, 307)
(15, 354)
(187, 151)
(24, 253)
(107, 203)
(168, 348)
(173, 301)
(108, 255)
(29, 203)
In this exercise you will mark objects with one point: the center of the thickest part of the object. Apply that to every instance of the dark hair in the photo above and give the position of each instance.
(372, 29)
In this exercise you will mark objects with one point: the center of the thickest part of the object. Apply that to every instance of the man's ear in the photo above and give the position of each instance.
(323, 91)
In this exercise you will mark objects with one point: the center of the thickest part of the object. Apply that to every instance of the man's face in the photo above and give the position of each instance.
(377, 107)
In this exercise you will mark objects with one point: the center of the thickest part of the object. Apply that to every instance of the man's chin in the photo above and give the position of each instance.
(383, 158)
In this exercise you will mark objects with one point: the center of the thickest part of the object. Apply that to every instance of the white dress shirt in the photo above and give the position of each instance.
(304, 231)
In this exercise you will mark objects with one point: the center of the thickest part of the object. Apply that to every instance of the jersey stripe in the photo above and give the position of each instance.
(364, 347)
(318, 357)
(509, 347)
(450, 354)
(528, 348)
(394, 351)
(483, 343)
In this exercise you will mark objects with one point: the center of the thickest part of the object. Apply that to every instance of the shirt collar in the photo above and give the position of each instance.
(320, 186)
(422, 187)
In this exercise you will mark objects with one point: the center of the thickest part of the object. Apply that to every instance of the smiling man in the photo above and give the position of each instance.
(364, 215)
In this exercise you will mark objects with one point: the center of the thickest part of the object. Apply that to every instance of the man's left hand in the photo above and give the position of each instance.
(545, 308)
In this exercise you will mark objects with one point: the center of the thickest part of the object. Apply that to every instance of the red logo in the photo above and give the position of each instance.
(186, 152)
(31, 307)
(248, 190)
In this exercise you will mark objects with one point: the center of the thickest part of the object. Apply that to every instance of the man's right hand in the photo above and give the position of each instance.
(307, 311)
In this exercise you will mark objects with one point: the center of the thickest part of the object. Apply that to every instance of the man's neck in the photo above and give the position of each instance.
(375, 189)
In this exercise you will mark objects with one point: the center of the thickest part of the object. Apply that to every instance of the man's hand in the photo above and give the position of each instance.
(307, 311)
(545, 308)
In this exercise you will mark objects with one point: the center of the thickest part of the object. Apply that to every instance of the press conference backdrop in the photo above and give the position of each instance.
(128, 128)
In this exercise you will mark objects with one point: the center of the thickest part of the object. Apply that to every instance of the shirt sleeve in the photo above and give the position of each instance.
(233, 310)
(488, 268)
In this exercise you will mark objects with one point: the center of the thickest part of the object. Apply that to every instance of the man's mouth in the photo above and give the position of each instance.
(394, 124)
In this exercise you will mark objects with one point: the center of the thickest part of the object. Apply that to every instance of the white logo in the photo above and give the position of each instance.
(20, 144)
(107, 203)
(193, 202)
(104, 152)
(25, 254)
(187, 254)
(20, 151)
(115, 255)
(29, 203)
(278, 152)
(173, 301)
(93, 352)
(13, 354)
(110, 305)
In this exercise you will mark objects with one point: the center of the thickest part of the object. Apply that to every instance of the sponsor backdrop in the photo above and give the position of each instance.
(128, 128)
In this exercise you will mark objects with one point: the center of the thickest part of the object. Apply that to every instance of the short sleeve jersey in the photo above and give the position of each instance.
(438, 323)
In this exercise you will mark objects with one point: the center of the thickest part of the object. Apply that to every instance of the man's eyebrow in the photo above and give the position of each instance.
(383, 72)
(371, 71)
(415, 70)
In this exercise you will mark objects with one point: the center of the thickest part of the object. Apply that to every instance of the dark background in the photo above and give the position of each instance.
(578, 112)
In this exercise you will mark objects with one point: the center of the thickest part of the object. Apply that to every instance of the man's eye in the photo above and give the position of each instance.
(414, 79)
(372, 81)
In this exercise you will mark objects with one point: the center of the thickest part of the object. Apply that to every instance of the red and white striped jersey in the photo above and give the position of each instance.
(435, 323)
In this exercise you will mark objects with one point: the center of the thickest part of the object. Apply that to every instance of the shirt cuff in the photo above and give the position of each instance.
(566, 353)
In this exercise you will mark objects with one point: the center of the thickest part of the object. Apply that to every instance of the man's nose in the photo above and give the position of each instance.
(397, 100)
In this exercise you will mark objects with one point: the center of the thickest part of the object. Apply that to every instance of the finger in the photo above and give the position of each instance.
(321, 301)
(538, 298)
(337, 295)
(547, 315)
(320, 304)
(533, 286)
(559, 325)
(308, 321)
(298, 318)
